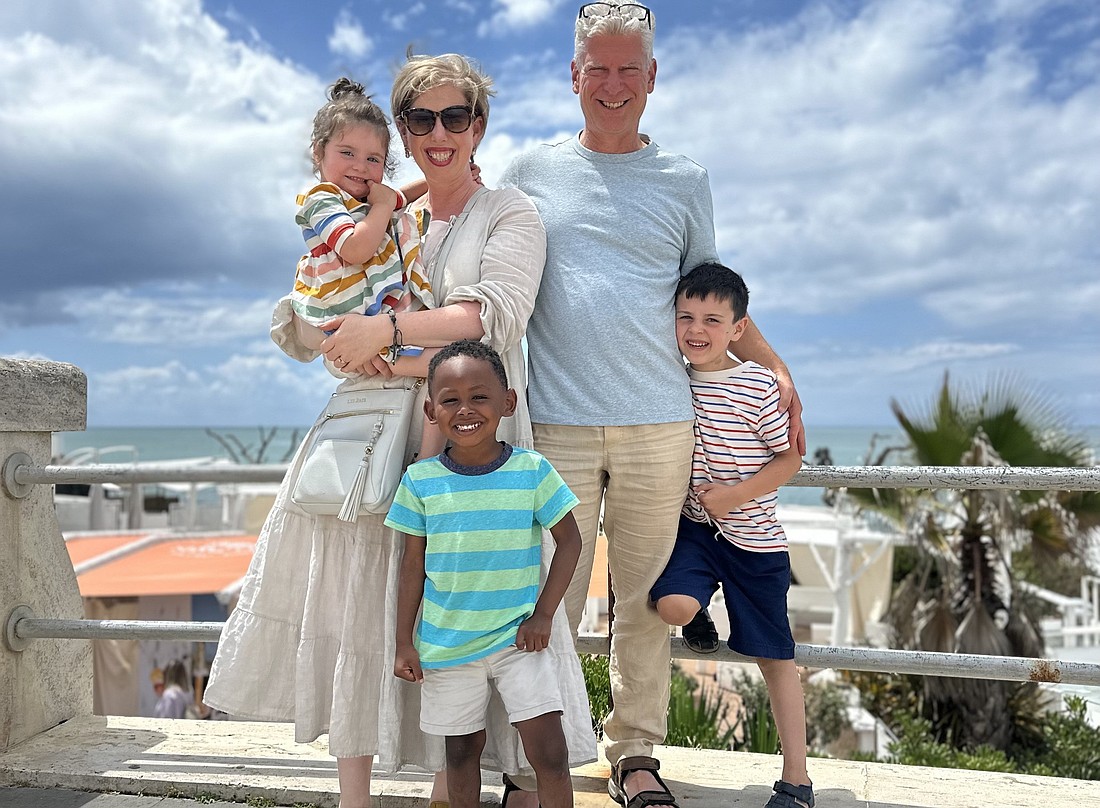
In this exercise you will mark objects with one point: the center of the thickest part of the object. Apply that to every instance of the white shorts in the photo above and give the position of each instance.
(454, 700)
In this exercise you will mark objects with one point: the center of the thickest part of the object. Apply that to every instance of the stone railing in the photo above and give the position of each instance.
(49, 681)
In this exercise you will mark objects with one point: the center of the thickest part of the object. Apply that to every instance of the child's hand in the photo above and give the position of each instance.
(406, 664)
(475, 172)
(718, 499)
(534, 633)
(383, 195)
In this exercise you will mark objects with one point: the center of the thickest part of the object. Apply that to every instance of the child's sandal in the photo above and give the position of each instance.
(509, 787)
(788, 795)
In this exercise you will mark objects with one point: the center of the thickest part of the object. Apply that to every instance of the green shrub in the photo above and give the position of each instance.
(1071, 746)
(916, 747)
(597, 681)
(826, 714)
(697, 720)
(755, 720)
(1052, 744)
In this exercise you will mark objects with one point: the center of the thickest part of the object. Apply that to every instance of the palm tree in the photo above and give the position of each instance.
(962, 593)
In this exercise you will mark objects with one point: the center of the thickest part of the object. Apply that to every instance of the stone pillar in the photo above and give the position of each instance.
(49, 681)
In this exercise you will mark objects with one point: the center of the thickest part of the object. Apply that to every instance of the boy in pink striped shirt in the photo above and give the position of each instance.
(728, 533)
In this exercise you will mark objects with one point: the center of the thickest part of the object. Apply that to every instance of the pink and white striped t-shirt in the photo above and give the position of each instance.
(738, 429)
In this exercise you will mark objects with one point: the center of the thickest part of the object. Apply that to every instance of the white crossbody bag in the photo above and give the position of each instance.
(356, 451)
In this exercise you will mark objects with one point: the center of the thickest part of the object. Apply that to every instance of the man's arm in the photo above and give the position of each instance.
(754, 348)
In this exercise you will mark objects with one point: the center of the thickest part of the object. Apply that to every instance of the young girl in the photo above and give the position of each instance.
(363, 248)
(361, 256)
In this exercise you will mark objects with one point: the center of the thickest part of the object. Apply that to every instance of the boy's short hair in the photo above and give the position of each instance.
(473, 349)
(718, 281)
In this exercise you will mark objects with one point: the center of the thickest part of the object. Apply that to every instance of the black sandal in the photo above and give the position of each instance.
(624, 767)
(509, 787)
(701, 635)
(788, 795)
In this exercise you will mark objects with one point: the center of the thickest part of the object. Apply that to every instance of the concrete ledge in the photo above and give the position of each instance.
(40, 396)
(238, 761)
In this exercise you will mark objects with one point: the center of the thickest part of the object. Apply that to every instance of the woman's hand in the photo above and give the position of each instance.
(356, 342)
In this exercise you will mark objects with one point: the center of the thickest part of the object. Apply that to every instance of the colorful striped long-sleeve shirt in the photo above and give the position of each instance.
(738, 429)
(326, 286)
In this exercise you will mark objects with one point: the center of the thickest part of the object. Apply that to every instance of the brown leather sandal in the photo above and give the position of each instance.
(642, 799)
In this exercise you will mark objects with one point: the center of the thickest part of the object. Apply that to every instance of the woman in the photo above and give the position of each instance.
(312, 638)
(175, 701)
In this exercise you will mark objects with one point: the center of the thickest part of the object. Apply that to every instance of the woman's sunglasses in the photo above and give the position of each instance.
(420, 122)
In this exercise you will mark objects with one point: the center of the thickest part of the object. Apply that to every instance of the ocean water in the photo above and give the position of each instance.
(846, 446)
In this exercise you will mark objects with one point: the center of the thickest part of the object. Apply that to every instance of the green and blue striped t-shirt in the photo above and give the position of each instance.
(483, 551)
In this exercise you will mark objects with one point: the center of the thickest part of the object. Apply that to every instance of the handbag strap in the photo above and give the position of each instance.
(397, 242)
(440, 256)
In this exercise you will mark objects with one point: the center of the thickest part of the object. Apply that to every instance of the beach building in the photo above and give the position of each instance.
(154, 575)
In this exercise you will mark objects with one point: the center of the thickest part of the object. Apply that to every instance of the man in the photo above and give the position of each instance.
(608, 394)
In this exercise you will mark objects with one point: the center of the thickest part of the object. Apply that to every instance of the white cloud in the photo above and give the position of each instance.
(463, 6)
(938, 353)
(195, 318)
(860, 160)
(348, 39)
(400, 21)
(187, 148)
(512, 15)
(216, 393)
(908, 187)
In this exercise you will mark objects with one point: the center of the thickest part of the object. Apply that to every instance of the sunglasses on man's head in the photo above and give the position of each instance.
(420, 122)
(628, 11)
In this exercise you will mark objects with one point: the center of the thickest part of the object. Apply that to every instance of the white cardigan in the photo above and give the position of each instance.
(493, 254)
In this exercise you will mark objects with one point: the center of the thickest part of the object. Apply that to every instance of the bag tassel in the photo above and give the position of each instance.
(349, 511)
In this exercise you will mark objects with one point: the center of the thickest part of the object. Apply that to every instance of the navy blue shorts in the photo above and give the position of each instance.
(754, 584)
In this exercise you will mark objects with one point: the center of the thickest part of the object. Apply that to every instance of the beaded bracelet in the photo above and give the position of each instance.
(395, 348)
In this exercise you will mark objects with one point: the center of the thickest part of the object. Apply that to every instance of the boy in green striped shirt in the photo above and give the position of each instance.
(473, 518)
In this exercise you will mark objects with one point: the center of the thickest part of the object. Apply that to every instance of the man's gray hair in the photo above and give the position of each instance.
(612, 24)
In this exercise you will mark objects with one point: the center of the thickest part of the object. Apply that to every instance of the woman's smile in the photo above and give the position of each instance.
(439, 157)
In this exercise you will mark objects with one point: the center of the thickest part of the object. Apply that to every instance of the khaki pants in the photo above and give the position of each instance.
(640, 476)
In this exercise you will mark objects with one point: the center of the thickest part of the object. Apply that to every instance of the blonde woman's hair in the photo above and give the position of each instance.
(423, 73)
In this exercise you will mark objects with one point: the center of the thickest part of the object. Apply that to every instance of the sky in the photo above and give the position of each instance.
(910, 187)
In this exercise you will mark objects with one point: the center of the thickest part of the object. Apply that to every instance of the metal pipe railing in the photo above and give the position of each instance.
(23, 627)
(1022, 478)
(19, 473)
(126, 473)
